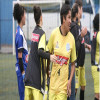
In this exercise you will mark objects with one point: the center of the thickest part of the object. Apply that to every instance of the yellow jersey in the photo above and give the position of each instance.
(97, 55)
(64, 48)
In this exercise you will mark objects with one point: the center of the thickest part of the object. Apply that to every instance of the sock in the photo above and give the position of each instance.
(81, 94)
(95, 98)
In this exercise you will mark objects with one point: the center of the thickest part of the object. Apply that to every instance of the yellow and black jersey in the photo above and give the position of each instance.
(95, 56)
(64, 48)
(36, 64)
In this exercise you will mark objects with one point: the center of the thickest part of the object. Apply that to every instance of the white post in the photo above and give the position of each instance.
(92, 4)
(32, 2)
(13, 34)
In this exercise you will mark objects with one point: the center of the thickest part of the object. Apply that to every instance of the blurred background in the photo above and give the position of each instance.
(51, 20)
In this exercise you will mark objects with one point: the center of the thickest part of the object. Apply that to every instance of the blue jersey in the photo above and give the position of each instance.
(20, 42)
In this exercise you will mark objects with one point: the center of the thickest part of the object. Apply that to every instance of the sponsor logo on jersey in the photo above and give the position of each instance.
(61, 60)
(57, 45)
(67, 47)
(35, 37)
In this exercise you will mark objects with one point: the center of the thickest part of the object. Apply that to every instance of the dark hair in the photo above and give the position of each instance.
(79, 2)
(96, 22)
(74, 10)
(37, 14)
(18, 12)
(64, 10)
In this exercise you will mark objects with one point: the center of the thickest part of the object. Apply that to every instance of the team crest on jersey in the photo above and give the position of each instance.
(67, 47)
(57, 45)
(35, 37)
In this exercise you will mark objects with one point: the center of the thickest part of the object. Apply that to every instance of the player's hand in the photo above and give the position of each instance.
(89, 47)
(23, 75)
(83, 32)
(53, 58)
(69, 88)
(49, 74)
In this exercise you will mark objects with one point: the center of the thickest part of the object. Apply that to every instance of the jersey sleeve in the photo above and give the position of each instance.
(73, 52)
(42, 42)
(20, 42)
(50, 43)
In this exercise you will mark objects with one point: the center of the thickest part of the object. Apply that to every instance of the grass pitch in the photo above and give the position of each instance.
(8, 78)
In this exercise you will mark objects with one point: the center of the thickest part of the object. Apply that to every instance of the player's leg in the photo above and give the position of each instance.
(77, 79)
(95, 75)
(72, 97)
(82, 82)
(28, 93)
(20, 87)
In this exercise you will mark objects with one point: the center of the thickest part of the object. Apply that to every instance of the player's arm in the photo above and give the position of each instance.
(77, 37)
(72, 71)
(73, 59)
(21, 61)
(47, 55)
(20, 54)
(70, 79)
(44, 54)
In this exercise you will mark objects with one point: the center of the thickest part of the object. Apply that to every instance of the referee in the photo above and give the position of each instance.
(62, 44)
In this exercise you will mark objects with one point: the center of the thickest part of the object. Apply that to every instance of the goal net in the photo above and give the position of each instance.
(50, 13)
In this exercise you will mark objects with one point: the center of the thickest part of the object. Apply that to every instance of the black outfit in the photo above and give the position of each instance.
(93, 49)
(80, 49)
(35, 63)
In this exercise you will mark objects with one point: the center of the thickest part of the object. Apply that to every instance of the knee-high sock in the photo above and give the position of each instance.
(81, 94)
(96, 98)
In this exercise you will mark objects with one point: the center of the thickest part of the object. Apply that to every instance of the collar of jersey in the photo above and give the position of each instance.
(61, 31)
(20, 28)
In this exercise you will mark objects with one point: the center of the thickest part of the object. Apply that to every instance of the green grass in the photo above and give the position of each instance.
(8, 79)
(89, 90)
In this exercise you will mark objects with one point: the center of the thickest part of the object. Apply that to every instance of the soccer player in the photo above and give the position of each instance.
(80, 72)
(78, 38)
(34, 78)
(62, 44)
(21, 48)
(95, 57)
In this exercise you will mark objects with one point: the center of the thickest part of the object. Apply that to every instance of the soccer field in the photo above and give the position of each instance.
(8, 79)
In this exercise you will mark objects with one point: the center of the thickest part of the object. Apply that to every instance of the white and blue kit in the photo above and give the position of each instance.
(20, 43)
